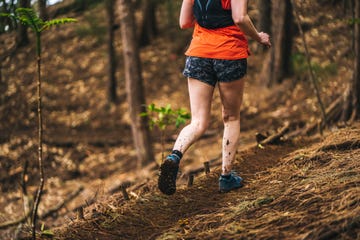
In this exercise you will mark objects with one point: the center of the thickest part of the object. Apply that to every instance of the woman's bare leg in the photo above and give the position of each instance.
(200, 103)
(231, 94)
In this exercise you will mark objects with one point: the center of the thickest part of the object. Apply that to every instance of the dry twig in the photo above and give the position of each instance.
(312, 74)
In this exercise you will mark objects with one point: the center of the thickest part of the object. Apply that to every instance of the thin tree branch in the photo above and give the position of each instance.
(312, 74)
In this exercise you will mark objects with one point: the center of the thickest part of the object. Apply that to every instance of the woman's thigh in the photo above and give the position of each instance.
(200, 94)
(231, 94)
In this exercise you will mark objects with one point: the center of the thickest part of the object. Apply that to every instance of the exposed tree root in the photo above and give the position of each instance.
(273, 139)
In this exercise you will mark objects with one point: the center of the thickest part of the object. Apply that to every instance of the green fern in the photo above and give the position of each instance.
(55, 22)
(28, 17)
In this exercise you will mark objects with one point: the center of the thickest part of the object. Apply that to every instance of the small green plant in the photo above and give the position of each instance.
(163, 117)
(28, 17)
(46, 232)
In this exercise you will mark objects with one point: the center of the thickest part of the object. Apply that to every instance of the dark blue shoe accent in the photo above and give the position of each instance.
(168, 174)
(228, 183)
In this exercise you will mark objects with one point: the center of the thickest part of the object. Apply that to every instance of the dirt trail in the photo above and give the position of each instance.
(154, 213)
(309, 193)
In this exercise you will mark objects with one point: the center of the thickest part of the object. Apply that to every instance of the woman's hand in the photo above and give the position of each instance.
(243, 21)
(264, 39)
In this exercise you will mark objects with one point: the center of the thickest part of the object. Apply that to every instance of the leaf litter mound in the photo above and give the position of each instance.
(310, 193)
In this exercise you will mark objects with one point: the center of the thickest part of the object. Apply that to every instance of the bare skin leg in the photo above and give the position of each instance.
(200, 103)
(231, 94)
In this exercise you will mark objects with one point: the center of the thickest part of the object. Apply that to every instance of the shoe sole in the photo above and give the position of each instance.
(226, 191)
(167, 178)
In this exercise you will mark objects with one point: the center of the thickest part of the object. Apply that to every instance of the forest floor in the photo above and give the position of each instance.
(305, 187)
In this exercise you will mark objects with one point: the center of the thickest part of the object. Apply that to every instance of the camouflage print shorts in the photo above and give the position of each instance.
(211, 71)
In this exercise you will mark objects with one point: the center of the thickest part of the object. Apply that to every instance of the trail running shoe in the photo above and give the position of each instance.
(227, 184)
(168, 173)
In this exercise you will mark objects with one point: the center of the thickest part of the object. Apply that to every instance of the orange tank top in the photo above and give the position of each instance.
(227, 43)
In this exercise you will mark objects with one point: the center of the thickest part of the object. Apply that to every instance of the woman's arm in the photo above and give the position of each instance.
(243, 21)
(186, 14)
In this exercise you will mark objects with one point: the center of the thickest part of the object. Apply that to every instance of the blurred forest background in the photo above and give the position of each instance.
(113, 98)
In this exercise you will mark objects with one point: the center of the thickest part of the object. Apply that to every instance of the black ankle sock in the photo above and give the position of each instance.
(177, 153)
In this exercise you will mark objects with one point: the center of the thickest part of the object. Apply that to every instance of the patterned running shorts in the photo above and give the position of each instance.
(211, 71)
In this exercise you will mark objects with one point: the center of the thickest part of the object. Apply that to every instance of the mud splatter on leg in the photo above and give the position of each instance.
(230, 144)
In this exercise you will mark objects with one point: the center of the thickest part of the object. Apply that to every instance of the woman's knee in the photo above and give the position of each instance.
(228, 116)
(199, 125)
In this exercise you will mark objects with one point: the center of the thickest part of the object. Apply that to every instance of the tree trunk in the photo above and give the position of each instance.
(356, 78)
(148, 27)
(111, 51)
(351, 106)
(264, 23)
(170, 14)
(3, 21)
(280, 59)
(42, 10)
(22, 38)
(134, 84)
